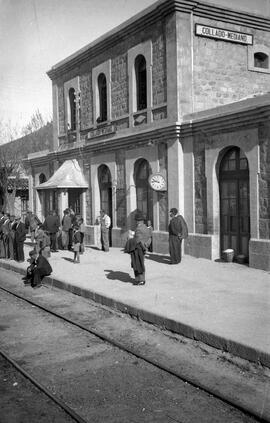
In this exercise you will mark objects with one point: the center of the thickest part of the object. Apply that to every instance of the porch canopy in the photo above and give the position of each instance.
(69, 175)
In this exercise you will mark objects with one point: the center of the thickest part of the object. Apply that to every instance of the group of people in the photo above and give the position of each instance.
(46, 238)
(70, 233)
(12, 237)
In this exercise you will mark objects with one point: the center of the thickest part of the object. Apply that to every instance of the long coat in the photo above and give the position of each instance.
(136, 252)
(20, 233)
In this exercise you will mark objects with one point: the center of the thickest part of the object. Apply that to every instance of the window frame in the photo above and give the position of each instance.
(141, 82)
(102, 93)
(145, 50)
(103, 68)
(68, 85)
(254, 49)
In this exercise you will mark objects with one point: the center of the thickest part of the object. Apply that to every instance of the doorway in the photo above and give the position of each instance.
(74, 200)
(105, 189)
(234, 202)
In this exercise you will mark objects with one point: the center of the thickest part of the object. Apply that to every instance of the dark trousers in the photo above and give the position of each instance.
(18, 250)
(11, 246)
(175, 248)
(37, 276)
(53, 241)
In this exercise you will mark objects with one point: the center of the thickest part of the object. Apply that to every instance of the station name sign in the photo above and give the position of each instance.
(223, 34)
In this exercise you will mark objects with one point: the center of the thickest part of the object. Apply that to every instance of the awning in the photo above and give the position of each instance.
(69, 175)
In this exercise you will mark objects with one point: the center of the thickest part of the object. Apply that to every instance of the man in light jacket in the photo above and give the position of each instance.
(105, 223)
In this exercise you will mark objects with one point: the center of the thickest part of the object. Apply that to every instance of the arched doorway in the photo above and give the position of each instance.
(105, 189)
(234, 202)
(75, 200)
(144, 193)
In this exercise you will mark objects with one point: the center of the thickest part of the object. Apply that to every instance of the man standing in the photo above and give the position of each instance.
(66, 226)
(73, 222)
(20, 237)
(51, 225)
(11, 236)
(177, 232)
(5, 232)
(31, 222)
(105, 223)
(3, 218)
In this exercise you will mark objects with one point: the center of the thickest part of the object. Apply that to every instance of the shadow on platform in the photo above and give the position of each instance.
(158, 258)
(119, 276)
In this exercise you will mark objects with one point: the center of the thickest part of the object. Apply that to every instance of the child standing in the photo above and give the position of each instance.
(82, 231)
(76, 244)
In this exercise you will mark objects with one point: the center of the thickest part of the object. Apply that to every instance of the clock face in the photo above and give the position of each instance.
(157, 182)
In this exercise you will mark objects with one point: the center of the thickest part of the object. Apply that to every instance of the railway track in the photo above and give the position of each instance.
(122, 347)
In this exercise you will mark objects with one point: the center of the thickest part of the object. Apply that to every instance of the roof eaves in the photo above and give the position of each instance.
(150, 15)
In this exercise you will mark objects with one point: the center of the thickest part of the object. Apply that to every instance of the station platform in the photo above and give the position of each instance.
(225, 305)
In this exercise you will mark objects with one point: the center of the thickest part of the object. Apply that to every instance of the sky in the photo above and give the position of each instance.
(37, 34)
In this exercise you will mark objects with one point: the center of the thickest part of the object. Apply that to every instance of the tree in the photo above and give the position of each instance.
(11, 168)
(8, 132)
(36, 122)
(11, 171)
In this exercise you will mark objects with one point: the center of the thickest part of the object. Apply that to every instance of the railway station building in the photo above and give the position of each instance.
(169, 109)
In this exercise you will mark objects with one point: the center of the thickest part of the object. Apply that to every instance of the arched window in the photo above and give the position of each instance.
(72, 109)
(42, 178)
(261, 60)
(141, 84)
(144, 193)
(102, 91)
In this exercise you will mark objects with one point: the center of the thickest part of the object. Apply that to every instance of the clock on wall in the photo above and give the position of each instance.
(157, 182)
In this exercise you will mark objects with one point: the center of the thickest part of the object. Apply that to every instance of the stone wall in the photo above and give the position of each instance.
(121, 206)
(86, 101)
(119, 86)
(159, 68)
(264, 182)
(221, 74)
(200, 185)
(61, 110)
(119, 78)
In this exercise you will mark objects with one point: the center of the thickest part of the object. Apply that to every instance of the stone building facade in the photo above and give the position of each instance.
(163, 94)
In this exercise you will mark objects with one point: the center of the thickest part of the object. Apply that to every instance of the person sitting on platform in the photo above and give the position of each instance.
(42, 269)
(30, 269)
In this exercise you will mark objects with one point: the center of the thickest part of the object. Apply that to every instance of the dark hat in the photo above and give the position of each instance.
(139, 215)
(32, 253)
(174, 210)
